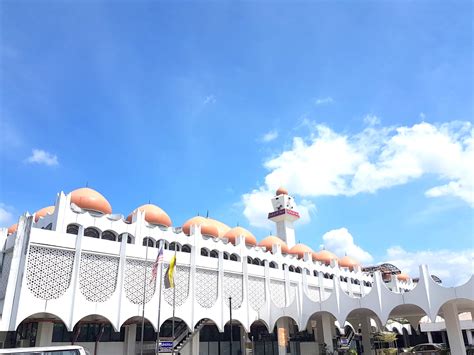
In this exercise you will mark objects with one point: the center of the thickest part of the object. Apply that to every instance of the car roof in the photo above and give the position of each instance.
(42, 348)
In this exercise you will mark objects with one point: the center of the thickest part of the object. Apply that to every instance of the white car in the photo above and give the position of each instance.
(49, 350)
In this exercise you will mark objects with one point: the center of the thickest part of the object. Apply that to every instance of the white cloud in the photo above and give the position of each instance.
(6, 215)
(269, 136)
(327, 163)
(40, 156)
(452, 267)
(340, 242)
(323, 100)
(210, 99)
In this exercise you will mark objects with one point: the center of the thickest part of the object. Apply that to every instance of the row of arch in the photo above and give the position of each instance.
(94, 232)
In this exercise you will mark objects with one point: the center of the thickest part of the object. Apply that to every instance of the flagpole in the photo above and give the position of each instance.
(144, 299)
(174, 297)
(157, 344)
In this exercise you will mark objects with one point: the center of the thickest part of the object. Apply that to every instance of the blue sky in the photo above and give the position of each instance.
(196, 106)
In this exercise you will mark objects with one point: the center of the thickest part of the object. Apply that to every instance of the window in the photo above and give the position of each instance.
(225, 255)
(129, 238)
(91, 232)
(175, 246)
(214, 254)
(234, 257)
(108, 235)
(72, 229)
(291, 268)
(298, 270)
(249, 260)
(315, 273)
(204, 252)
(256, 261)
(273, 265)
(147, 241)
(186, 248)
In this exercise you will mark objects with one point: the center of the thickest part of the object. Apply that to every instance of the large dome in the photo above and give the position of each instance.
(90, 199)
(270, 240)
(324, 256)
(235, 232)
(208, 226)
(403, 277)
(221, 227)
(153, 215)
(348, 262)
(281, 191)
(300, 249)
(12, 229)
(43, 212)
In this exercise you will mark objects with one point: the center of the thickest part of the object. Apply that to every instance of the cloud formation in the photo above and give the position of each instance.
(269, 136)
(327, 163)
(39, 156)
(341, 242)
(324, 101)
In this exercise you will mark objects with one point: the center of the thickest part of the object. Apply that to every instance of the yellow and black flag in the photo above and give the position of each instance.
(169, 275)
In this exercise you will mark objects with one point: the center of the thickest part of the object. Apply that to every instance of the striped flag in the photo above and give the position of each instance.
(169, 276)
(159, 259)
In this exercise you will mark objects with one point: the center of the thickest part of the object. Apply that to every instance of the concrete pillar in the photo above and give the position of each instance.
(469, 336)
(327, 326)
(130, 339)
(430, 338)
(365, 329)
(451, 318)
(443, 337)
(283, 333)
(44, 336)
(195, 343)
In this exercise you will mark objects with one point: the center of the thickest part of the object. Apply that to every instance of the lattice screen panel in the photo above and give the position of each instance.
(256, 292)
(98, 276)
(135, 279)
(7, 261)
(181, 282)
(206, 287)
(277, 292)
(233, 287)
(291, 293)
(313, 293)
(49, 272)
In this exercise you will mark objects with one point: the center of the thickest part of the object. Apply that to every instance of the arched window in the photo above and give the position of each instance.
(315, 273)
(234, 257)
(214, 254)
(273, 265)
(285, 267)
(298, 270)
(174, 245)
(148, 241)
(72, 229)
(249, 260)
(204, 252)
(129, 238)
(109, 235)
(307, 272)
(326, 276)
(163, 242)
(186, 248)
(91, 232)
(291, 268)
(225, 255)
(256, 261)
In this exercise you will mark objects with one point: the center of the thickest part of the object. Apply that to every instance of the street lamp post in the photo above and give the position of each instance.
(230, 312)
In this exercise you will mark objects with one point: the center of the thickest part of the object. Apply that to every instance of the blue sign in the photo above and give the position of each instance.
(166, 345)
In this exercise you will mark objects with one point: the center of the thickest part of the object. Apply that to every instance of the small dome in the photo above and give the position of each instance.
(221, 227)
(153, 215)
(43, 212)
(324, 256)
(208, 227)
(270, 240)
(232, 235)
(347, 261)
(300, 249)
(12, 229)
(89, 199)
(403, 277)
(281, 191)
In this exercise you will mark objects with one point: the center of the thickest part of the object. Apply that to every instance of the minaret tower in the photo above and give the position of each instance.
(284, 215)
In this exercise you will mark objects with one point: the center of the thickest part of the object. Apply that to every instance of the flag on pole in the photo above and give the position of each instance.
(169, 276)
(159, 259)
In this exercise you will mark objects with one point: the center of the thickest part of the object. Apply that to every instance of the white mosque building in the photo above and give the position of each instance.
(77, 273)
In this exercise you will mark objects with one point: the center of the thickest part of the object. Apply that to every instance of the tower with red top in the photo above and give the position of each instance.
(284, 214)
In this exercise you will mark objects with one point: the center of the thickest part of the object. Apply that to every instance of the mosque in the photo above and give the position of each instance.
(76, 272)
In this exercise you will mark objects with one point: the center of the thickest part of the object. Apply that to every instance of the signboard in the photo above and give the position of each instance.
(166, 346)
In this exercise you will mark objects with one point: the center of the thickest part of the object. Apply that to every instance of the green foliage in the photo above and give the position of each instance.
(390, 351)
(386, 337)
(351, 352)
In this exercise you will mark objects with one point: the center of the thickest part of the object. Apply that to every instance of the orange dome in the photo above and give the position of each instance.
(207, 226)
(324, 256)
(403, 277)
(43, 212)
(221, 227)
(153, 215)
(12, 229)
(89, 199)
(300, 249)
(232, 235)
(270, 240)
(347, 261)
(281, 191)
